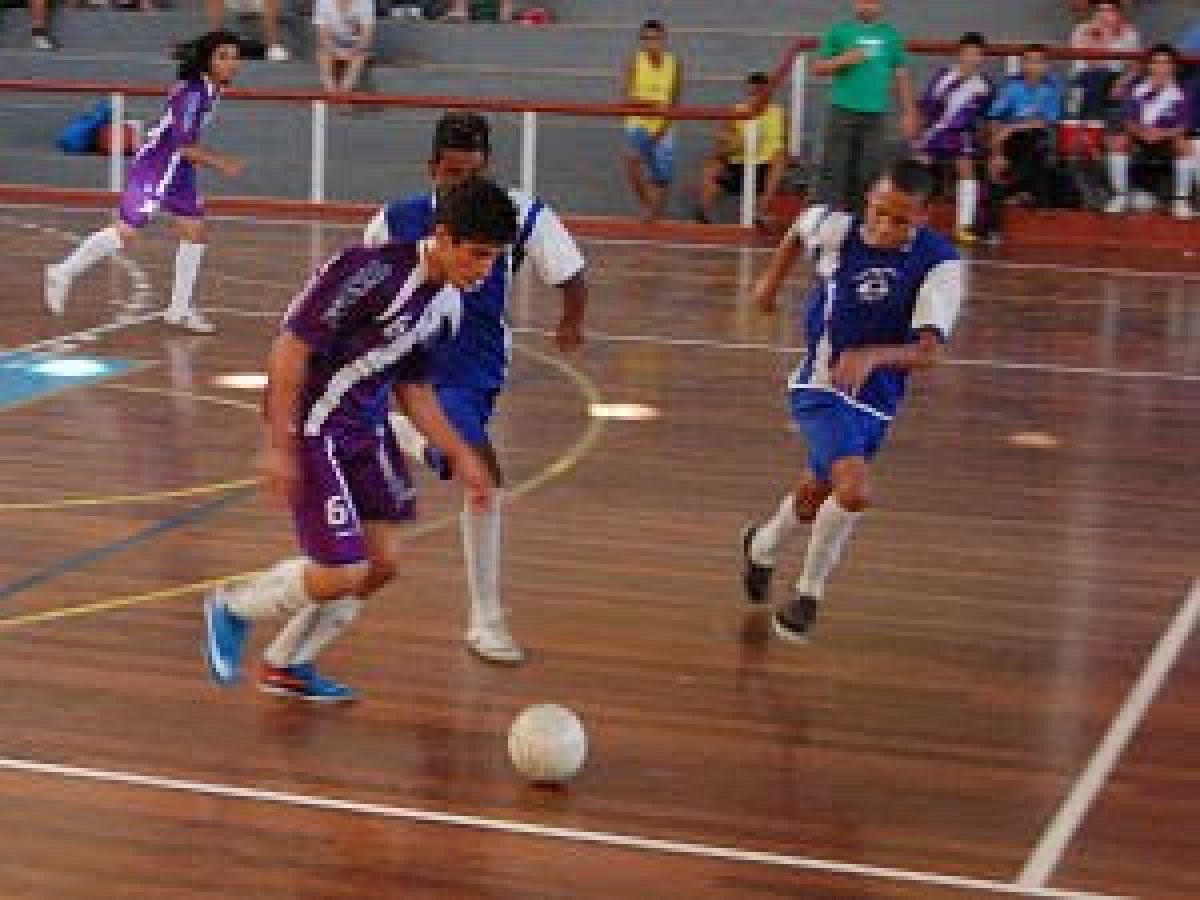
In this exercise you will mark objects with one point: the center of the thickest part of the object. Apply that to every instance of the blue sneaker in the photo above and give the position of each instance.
(304, 682)
(227, 633)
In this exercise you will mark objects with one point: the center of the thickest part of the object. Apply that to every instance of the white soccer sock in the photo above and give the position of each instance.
(1183, 178)
(773, 532)
(332, 619)
(282, 650)
(95, 247)
(1118, 172)
(830, 529)
(481, 553)
(187, 267)
(278, 590)
(968, 202)
(411, 441)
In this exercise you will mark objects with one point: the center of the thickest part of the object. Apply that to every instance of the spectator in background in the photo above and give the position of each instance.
(653, 80)
(866, 57)
(1103, 81)
(952, 110)
(345, 29)
(724, 170)
(276, 52)
(1023, 117)
(460, 11)
(1155, 123)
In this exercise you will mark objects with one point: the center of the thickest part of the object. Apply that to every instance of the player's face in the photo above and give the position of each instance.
(868, 10)
(1162, 67)
(1108, 16)
(653, 40)
(465, 263)
(454, 166)
(1034, 66)
(892, 216)
(226, 60)
(970, 57)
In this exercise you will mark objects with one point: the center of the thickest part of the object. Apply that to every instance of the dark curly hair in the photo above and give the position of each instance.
(476, 209)
(195, 56)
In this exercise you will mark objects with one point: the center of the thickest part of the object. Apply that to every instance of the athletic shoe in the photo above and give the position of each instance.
(1117, 205)
(56, 287)
(794, 620)
(1181, 208)
(227, 633)
(189, 320)
(756, 578)
(304, 682)
(493, 643)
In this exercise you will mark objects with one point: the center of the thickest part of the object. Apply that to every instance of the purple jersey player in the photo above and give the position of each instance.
(363, 329)
(1155, 121)
(952, 109)
(162, 178)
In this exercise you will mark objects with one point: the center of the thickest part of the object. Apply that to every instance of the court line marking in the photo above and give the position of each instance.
(1049, 850)
(85, 558)
(677, 245)
(528, 829)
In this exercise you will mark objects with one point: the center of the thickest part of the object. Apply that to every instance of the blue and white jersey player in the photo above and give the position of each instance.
(885, 298)
(470, 370)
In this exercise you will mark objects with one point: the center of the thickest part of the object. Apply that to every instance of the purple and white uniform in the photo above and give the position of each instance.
(1154, 106)
(952, 107)
(372, 319)
(159, 176)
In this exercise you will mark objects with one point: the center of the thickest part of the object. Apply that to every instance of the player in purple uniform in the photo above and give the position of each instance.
(952, 108)
(365, 327)
(163, 177)
(886, 295)
(1155, 122)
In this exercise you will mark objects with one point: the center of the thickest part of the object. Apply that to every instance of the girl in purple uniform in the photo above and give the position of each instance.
(162, 177)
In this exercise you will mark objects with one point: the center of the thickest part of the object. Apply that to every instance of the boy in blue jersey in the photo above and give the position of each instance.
(887, 293)
(361, 331)
(470, 371)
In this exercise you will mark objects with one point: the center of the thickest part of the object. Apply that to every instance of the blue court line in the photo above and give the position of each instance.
(26, 376)
(87, 557)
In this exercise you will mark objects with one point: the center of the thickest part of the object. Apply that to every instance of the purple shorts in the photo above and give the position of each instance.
(946, 146)
(344, 482)
(147, 192)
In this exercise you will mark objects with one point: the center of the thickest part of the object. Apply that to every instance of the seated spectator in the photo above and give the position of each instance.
(1102, 82)
(270, 15)
(952, 110)
(345, 29)
(1023, 115)
(460, 11)
(1154, 125)
(724, 169)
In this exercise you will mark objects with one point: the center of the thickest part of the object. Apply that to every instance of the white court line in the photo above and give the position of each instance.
(724, 248)
(1040, 865)
(625, 842)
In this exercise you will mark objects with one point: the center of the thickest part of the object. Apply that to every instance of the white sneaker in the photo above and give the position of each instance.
(411, 441)
(57, 286)
(1117, 205)
(278, 53)
(1181, 208)
(494, 644)
(189, 320)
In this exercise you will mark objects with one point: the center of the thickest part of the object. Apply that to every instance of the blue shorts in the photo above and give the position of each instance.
(834, 429)
(658, 156)
(469, 411)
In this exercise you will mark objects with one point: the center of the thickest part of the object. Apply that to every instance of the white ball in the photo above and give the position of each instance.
(547, 743)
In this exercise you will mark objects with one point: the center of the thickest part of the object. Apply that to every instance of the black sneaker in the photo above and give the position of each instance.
(756, 578)
(794, 620)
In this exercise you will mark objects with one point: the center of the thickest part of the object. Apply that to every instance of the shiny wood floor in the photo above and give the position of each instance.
(989, 621)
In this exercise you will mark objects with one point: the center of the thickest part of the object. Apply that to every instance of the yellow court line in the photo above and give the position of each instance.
(556, 469)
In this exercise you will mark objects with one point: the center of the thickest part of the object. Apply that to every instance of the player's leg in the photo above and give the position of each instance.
(183, 202)
(136, 207)
(761, 541)
(1119, 146)
(1181, 206)
(967, 197)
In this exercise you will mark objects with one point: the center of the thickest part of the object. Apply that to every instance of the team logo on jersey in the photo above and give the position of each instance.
(358, 286)
(873, 285)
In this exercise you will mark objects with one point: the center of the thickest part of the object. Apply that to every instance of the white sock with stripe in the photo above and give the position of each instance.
(968, 202)
(274, 592)
(773, 532)
(94, 248)
(481, 553)
(830, 530)
(187, 268)
(331, 620)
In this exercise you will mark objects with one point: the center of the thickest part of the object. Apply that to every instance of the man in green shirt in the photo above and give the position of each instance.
(865, 56)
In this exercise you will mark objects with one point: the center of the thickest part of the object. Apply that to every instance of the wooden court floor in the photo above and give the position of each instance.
(1001, 697)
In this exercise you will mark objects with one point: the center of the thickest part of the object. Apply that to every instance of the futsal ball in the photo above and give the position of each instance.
(547, 744)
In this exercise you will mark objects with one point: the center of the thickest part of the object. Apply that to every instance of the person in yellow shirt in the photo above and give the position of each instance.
(723, 171)
(654, 80)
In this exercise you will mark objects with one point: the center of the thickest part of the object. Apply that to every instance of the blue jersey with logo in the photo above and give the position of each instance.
(477, 356)
(866, 296)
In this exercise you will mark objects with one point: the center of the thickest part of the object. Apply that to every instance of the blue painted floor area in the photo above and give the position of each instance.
(28, 376)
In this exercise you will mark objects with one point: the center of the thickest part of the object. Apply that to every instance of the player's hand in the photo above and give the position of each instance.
(230, 167)
(852, 370)
(569, 335)
(764, 296)
(280, 474)
(475, 478)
